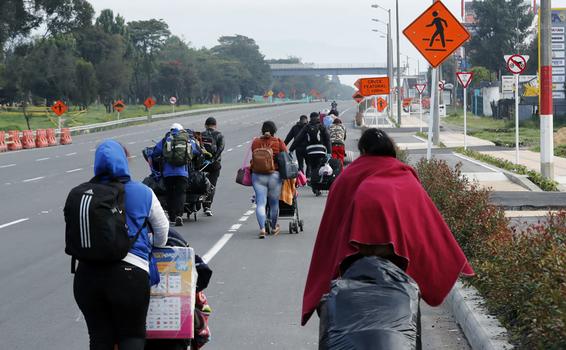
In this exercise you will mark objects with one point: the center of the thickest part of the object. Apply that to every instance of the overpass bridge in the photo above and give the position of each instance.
(304, 69)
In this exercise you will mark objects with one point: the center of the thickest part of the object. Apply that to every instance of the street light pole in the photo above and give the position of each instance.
(390, 63)
(398, 69)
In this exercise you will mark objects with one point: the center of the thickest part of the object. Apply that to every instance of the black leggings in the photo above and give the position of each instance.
(114, 299)
(176, 187)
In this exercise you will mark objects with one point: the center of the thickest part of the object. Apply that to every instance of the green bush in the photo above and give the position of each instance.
(542, 182)
(521, 274)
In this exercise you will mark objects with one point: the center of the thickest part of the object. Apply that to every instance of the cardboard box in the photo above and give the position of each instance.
(172, 302)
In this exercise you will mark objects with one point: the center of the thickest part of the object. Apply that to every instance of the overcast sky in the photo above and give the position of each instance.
(319, 31)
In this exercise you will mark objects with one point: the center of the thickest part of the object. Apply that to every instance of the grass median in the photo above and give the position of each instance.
(42, 117)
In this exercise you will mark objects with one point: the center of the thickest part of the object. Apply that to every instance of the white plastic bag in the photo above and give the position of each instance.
(326, 170)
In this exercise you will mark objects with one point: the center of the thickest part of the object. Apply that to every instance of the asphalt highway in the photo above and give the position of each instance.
(257, 284)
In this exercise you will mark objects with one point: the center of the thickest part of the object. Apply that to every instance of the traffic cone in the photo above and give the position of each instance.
(3, 145)
(51, 139)
(14, 142)
(28, 141)
(66, 137)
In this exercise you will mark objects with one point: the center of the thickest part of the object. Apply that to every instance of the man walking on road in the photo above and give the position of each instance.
(300, 149)
(317, 139)
(213, 143)
(177, 149)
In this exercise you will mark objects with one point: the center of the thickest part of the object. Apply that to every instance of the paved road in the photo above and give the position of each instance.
(257, 286)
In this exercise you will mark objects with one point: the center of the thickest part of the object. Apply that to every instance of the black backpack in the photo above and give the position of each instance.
(313, 134)
(209, 142)
(95, 218)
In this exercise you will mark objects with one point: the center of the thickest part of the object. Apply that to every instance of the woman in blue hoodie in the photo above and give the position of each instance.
(114, 297)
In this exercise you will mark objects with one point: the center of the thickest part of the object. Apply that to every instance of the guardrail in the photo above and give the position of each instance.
(84, 129)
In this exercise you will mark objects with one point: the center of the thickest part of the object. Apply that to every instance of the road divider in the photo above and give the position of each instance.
(51, 139)
(28, 141)
(66, 137)
(3, 145)
(41, 138)
(14, 142)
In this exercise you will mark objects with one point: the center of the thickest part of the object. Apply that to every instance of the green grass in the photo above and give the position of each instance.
(43, 118)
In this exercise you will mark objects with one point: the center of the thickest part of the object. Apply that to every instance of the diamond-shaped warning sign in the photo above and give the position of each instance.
(59, 108)
(358, 97)
(436, 34)
(381, 104)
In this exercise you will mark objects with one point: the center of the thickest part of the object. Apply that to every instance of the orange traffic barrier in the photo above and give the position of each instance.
(41, 138)
(66, 137)
(3, 145)
(14, 142)
(51, 139)
(28, 139)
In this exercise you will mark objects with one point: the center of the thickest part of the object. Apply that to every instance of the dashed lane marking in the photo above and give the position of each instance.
(34, 179)
(13, 222)
(249, 212)
(217, 247)
(132, 143)
(244, 218)
(248, 142)
(73, 170)
(230, 150)
(70, 154)
(7, 166)
(235, 228)
(240, 146)
(42, 159)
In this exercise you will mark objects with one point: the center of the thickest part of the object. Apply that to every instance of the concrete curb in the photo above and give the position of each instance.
(521, 180)
(86, 129)
(482, 331)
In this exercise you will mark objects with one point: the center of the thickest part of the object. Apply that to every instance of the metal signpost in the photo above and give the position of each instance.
(465, 79)
(173, 101)
(421, 88)
(516, 64)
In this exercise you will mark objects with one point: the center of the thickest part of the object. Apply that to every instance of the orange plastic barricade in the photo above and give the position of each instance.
(14, 142)
(28, 140)
(51, 139)
(3, 145)
(41, 138)
(66, 137)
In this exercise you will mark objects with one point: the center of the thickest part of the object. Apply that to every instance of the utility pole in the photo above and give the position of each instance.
(436, 103)
(546, 100)
(398, 68)
(390, 63)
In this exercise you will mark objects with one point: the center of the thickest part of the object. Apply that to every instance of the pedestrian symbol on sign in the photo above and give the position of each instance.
(437, 22)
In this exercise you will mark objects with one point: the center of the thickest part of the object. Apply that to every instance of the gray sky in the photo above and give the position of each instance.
(319, 31)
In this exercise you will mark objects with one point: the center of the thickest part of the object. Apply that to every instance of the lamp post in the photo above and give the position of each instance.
(390, 54)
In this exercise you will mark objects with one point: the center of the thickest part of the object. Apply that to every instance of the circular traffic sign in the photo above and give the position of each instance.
(173, 100)
(441, 85)
(516, 64)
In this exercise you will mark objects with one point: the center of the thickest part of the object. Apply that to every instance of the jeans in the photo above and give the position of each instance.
(114, 299)
(267, 187)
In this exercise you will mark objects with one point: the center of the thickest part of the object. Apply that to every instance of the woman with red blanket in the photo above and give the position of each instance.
(378, 206)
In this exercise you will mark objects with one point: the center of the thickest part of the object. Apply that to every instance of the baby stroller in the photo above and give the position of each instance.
(324, 175)
(289, 212)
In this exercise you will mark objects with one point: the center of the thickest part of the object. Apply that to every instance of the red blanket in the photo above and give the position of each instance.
(375, 201)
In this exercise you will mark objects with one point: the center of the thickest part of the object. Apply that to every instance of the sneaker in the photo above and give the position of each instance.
(276, 230)
(262, 234)
(178, 221)
(207, 212)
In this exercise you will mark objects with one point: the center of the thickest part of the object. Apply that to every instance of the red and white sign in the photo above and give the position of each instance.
(173, 100)
(420, 88)
(465, 78)
(516, 64)
(441, 84)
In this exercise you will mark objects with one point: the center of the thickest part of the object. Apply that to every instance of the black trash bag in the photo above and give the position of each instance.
(198, 183)
(156, 184)
(375, 305)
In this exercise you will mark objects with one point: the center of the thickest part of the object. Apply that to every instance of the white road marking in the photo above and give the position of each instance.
(132, 143)
(217, 247)
(248, 142)
(230, 150)
(249, 212)
(70, 154)
(34, 179)
(235, 228)
(7, 166)
(7, 183)
(74, 170)
(42, 159)
(244, 218)
(132, 157)
(239, 146)
(14, 222)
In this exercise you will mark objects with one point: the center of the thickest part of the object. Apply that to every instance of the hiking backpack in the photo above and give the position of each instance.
(262, 160)
(209, 142)
(95, 218)
(177, 148)
(313, 134)
(337, 133)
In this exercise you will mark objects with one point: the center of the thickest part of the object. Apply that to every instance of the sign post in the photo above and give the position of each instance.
(119, 106)
(421, 88)
(149, 103)
(436, 34)
(59, 108)
(465, 79)
(516, 64)
(173, 101)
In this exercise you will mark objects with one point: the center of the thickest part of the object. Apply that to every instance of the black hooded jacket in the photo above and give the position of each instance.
(295, 131)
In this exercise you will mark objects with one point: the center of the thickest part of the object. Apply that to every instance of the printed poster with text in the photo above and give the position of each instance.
(171, 307)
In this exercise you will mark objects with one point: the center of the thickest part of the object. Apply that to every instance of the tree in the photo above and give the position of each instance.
(86, 84)
(148, 37)
(256, 74)
(501, 29)
(480, 74)
(110, 24)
